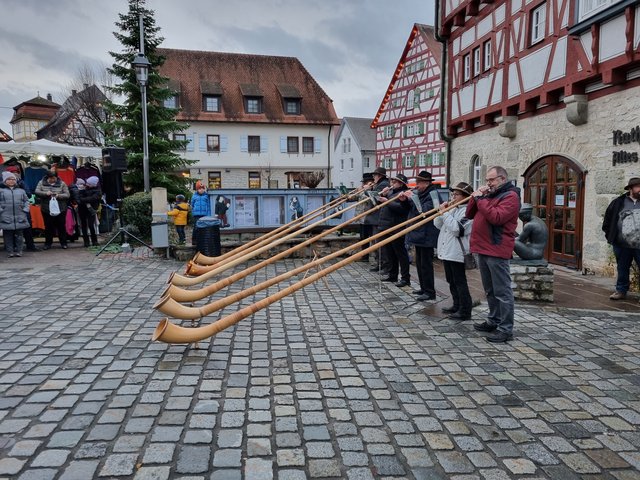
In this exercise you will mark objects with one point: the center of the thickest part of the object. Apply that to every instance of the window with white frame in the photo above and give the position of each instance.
(538, 23)
(387, 162)
(436, 159)
(342, 164)
(389, 131)
(466, 67)
(171, 102)
(422, 160)
(213, 143)
(477, 170)
(416, 98)
(476, 61)
(486, 47)
(407, 160)
(351, 163)
(344, 145)
(348, 145)
(365, 162)
(587, 8)
(211, 103)
(410, 96)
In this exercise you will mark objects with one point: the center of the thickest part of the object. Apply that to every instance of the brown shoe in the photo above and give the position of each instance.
(617, 296)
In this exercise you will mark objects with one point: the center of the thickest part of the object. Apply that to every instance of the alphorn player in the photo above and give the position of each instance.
(392, 214)
(380, 182)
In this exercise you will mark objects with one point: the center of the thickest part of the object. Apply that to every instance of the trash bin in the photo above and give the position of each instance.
(207, 234)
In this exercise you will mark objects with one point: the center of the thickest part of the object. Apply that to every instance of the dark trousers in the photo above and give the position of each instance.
(88, 226)
(624, 258)
(181, 233)
(424, 265)
(54, 225)
(366, 231)
(456, 277)
(398, 258)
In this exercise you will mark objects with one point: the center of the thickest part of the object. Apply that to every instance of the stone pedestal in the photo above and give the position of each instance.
(532, 280)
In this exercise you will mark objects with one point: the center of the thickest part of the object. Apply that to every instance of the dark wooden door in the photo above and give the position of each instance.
(554, 185)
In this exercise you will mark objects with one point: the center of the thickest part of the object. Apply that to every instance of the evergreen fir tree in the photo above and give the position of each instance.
(126, 128)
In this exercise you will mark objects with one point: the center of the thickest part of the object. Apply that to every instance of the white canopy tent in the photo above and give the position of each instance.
(47, 147)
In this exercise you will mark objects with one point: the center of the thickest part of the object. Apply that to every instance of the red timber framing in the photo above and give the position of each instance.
(407, 121)
(536, 56)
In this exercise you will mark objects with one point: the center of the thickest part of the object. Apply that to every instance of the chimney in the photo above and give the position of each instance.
(49, 97)
(73, 92)
(85, 86)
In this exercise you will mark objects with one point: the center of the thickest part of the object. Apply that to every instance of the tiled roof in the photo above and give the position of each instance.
(4, 137)
(86, 98)
(37, 108)
(234, 75)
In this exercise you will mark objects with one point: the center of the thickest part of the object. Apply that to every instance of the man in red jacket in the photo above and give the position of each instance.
(494, 208)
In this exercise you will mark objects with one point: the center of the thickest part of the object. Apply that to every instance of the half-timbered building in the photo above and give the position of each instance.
(354, 152)
(548, 89)
(407, 121)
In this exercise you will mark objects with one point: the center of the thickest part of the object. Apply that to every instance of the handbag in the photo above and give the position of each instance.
(54, 207)
(469, 259)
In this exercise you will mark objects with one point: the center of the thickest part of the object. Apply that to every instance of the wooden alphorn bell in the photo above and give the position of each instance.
(182, 295)
(170, 333)
(169, 305)
(201, 259)
(181, 280)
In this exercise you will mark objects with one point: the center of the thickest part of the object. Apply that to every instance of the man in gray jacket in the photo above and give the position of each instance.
(380, 182)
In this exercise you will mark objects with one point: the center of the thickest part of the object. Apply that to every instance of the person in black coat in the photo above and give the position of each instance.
(394, 213)
(624, 241)
(380, 182)
(89, 195)
(425, 238)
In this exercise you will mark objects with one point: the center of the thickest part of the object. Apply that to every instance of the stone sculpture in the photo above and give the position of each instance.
(531, 243)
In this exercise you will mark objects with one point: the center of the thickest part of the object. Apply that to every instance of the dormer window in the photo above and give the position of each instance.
(291, 99)
(171, 102)
(292, 106)
(253, 104)
(211, 103)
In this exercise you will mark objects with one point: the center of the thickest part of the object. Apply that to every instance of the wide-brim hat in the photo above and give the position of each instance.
(367, 177)
(380, 171)
(463, 188)
(400, 178)
(633, 181)
(424, 175)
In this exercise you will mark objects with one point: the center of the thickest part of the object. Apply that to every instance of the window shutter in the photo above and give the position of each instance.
(264, 144)
(283, 144)
(190, 140)
(317, 145)
(420, 128)
(244, 143)
(224, 143)
(404, 131)
(203, 143)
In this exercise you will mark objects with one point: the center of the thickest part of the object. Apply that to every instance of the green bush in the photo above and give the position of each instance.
(136, 211)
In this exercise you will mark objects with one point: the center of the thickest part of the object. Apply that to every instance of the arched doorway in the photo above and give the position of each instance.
(554, 185)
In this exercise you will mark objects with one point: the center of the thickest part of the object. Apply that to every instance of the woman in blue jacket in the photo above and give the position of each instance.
(200, 207)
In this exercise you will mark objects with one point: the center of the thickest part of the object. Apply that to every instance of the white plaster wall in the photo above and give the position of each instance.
(590, 146)
(242, 162)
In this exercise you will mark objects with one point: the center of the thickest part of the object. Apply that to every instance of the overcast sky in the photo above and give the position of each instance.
(351, 47)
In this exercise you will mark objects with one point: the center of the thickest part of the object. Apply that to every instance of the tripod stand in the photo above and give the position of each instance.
(123, 232)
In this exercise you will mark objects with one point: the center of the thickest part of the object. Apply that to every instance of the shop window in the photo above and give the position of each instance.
(254, 180)
(215, 180)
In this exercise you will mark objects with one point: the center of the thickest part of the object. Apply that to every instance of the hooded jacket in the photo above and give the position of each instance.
(453, 225)
(374, 218)
(14, 205)
(181, 212)
(495, 219)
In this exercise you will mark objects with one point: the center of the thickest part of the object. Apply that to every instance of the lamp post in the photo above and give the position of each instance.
(141, 66)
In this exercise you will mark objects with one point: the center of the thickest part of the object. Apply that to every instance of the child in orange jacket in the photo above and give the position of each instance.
(181, 212)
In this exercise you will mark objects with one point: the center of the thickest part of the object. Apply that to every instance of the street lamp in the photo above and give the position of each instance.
(141, 66)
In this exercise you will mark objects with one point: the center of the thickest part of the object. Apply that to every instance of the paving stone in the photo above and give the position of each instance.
(50, 458)
(10, 466)
(153, 473)
(81, 469)
(158, 453)
(118, 465)
(193, 459)
(454, 462)
(324, 468)
(520, 466)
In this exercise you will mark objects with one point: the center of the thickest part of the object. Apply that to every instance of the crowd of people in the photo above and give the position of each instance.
(65, 209)
(482, 222)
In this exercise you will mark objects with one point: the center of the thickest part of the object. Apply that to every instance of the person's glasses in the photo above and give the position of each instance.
(492, 179)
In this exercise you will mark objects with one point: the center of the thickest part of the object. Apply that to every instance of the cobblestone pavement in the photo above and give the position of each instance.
(344, 379)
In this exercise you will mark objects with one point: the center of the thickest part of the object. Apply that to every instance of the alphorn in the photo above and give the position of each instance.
(168, 332)
(181, 280)
(194, 270)
(201, 259)
(169, 305)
